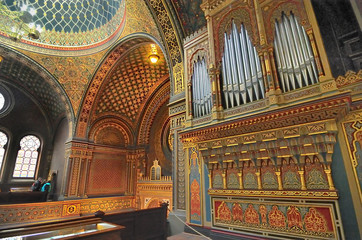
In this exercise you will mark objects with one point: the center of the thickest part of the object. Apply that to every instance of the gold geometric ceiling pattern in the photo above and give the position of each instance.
(73, 73)
(129, 84)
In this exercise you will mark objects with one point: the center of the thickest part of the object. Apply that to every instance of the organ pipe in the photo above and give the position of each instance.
(241, 69)
(294, 56)
(201, 89)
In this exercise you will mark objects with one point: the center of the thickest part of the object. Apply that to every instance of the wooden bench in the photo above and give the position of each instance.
(22, 197)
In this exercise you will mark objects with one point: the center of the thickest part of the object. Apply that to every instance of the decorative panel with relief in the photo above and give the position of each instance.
(290, 219)
(107, 175)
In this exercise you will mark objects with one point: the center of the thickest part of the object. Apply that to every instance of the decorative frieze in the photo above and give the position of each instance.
(44, 211)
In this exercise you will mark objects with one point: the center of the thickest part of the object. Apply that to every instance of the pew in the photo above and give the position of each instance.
(150, 224)
(22, 197)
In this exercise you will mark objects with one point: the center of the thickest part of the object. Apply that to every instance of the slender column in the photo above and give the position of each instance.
(269, 75)
(302, 179)
(262, 60)
(258, 175)
(328, 172)
(279, 178)
(275, 75)
(189, 99)
(210, 177)
(210, 180)
(240, 174)
(315, 53)
(224, 179)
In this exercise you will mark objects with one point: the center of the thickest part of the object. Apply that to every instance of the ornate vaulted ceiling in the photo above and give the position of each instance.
(20, 71)
(190, 15)
(132, 80)
(71, 24)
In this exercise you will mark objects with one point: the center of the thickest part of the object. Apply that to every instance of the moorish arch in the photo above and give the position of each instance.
(121, 133)
(155, 103)
(107, 67)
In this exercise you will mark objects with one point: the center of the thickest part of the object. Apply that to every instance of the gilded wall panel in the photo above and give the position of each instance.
(195, 186)
(107, 174)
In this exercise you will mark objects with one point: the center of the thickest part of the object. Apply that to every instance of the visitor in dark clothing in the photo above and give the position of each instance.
(37, 185)
(46, 187)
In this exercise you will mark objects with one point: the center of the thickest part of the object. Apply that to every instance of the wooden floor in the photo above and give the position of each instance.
(186, 236)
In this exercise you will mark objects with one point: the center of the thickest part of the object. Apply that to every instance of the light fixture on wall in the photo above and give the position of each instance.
(20, 22)
(153, 57)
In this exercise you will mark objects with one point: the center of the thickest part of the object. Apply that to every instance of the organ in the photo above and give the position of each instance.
(260, 128)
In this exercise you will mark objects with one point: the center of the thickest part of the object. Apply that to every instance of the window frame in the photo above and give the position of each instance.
(39, 150)
(6, 153)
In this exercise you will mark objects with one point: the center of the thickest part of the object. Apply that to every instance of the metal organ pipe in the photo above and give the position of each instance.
(228, 73)
(239, 63)
(241, 69)
(294, 55)
(201, 89)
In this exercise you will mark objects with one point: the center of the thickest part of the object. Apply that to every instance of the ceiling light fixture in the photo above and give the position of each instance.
(153, 57)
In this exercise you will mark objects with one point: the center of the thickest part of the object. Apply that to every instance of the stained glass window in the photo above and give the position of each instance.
(3, 141)
(27, 158)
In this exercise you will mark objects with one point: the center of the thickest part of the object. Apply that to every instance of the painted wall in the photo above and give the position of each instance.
(58, 164)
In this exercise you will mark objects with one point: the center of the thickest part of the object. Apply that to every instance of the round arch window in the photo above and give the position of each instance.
(6, 101)
(2, 101)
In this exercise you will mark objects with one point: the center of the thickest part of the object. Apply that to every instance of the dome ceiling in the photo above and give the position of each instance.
(72, 24)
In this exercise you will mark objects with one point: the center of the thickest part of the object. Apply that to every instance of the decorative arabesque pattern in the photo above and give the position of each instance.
(130, 83)
(72, 22)
(241, 71)
(294, 54)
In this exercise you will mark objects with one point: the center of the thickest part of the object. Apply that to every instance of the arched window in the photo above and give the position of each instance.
(6, 100)
(27, 158)
(3, 141)
(2, 101)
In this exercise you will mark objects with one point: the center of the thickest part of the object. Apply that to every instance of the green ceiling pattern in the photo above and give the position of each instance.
(73, 22)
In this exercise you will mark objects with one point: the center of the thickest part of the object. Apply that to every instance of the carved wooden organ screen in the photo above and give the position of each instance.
(201, 89)
(241, 71)
(294, 55)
